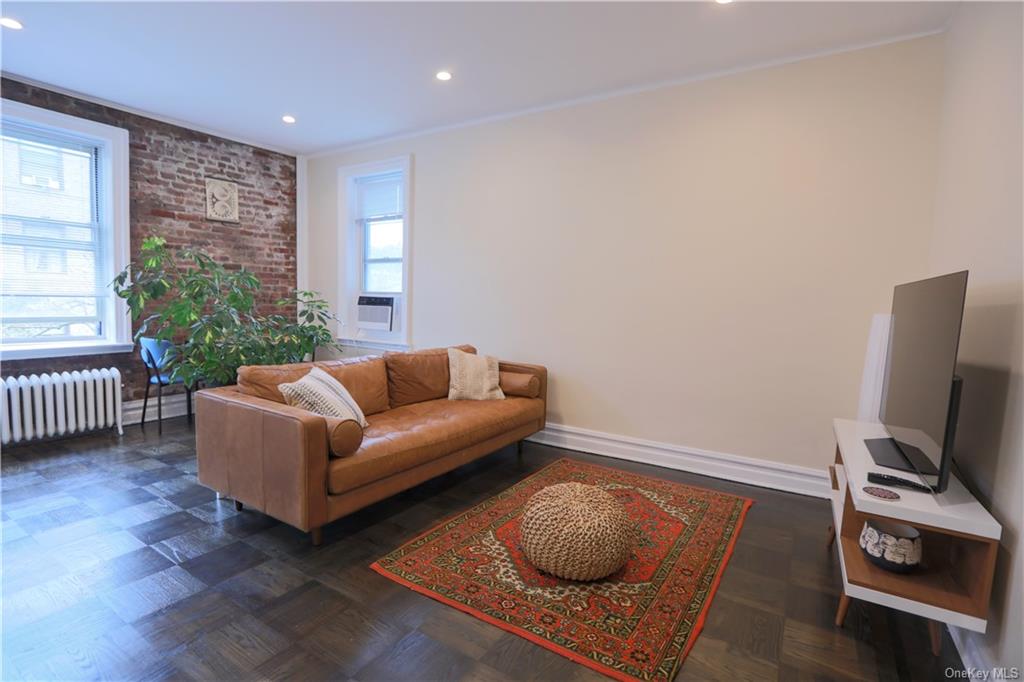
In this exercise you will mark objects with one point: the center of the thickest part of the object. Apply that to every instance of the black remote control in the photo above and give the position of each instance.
(897, 482)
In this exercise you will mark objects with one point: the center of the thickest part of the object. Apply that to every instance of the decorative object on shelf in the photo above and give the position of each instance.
(210, 311)
(895, 547)
(882, 493)
(221, 200)
(637, 624)
(576, 532)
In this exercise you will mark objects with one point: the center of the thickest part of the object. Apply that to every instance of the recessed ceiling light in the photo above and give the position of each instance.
(288, 118)
(8, 22)
(443, 75)
(723, 2)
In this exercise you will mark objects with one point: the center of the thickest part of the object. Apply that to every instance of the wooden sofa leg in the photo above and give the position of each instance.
(238, 506)
(316, 535)
(519, 450)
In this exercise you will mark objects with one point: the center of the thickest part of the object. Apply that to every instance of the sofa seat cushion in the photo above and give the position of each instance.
(407, 436)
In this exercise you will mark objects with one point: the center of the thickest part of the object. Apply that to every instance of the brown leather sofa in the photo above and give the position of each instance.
(308, 470)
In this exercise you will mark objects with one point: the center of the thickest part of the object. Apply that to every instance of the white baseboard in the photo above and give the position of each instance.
(967, 645)
(174, 406)
(786, 477)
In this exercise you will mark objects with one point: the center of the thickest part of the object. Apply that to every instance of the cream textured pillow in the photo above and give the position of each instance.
(473, 377)
(321, 393)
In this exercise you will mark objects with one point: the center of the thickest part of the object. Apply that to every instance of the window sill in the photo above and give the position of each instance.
(62, 350)
(375, 345)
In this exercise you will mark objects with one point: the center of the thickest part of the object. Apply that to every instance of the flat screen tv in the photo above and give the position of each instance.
(921, 393)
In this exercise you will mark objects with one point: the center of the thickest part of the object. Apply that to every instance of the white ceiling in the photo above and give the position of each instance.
(352, 72)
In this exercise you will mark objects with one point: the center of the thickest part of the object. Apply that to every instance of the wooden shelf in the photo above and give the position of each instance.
(947, 577)
(959, 538)
(935, 587)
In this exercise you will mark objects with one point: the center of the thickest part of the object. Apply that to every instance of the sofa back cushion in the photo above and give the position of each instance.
(420, 375)
(364, 377)
(322, 394)
(262, 380)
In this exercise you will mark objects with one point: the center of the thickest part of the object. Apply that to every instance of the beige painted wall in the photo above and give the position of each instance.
(978, 226)
(696, 265)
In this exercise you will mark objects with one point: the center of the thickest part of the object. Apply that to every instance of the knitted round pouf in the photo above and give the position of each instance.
(576, 531)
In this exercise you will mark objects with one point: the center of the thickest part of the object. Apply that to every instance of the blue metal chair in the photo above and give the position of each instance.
(155, 353)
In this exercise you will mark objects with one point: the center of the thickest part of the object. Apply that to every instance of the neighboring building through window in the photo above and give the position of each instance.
(63, 234)
(46, 261)
(41, 166)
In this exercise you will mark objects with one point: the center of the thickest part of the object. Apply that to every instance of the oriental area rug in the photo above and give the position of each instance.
(637, 624)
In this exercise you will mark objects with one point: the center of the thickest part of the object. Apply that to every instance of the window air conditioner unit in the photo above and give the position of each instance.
(376, 312)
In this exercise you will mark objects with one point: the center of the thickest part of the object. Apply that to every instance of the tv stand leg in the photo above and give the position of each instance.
(935, 634)
(844, 606)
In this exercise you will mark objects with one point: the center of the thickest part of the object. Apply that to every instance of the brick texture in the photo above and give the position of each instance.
(169, 165)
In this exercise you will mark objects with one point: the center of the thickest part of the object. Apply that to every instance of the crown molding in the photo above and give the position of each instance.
(469, 123)
(612, 94)
(146, 114)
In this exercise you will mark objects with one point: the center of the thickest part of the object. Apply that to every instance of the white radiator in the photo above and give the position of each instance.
(60, 404)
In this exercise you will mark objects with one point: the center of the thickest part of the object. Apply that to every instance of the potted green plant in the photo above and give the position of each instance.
(211, 313)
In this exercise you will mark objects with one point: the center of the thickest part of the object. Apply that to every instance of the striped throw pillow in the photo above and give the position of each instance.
(321, 393)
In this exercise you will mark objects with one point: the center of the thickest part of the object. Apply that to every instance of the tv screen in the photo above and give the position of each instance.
(924, 335)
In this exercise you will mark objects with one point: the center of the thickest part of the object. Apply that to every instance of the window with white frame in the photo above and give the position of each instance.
(374, 285)
(63, 234)
(381, 220)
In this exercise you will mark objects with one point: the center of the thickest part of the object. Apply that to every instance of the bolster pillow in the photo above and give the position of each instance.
(344, 436)
(519, 384)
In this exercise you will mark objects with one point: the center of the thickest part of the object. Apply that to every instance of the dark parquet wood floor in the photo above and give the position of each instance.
(118, 565)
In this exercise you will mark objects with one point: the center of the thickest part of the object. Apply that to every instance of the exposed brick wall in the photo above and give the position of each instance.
(169, 165)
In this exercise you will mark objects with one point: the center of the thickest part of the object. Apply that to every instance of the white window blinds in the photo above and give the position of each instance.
(380, 205)
(56, 252)
(380, 196)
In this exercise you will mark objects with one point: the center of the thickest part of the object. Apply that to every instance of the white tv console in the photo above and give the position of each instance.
(960, 541)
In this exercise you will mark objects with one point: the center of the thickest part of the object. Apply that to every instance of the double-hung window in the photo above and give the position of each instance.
(374, 253)
(381, 221)
(63, 234)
